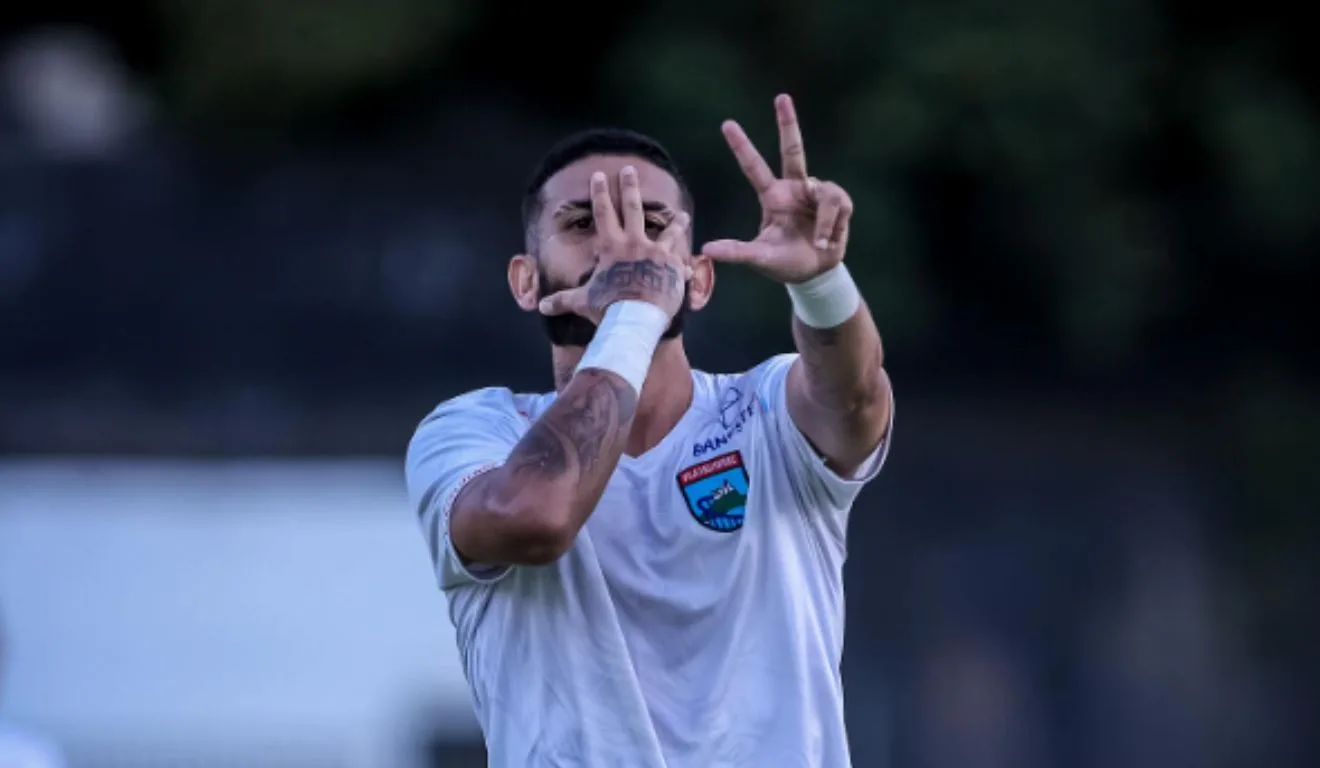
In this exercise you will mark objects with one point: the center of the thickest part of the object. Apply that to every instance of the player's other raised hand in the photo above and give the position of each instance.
(804, 221)
(629, 264)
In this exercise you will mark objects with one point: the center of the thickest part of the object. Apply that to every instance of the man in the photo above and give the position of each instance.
(644, 567)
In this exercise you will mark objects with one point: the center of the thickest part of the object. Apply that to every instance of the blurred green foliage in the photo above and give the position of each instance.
(249, 59)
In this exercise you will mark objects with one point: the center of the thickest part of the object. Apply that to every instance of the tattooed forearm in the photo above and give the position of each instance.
(542, 452)
(598, 416)
(839, 397)
(842, 365)
(579, 439)
(531, 509)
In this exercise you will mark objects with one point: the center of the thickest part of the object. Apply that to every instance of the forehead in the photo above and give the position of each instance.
(573, 181)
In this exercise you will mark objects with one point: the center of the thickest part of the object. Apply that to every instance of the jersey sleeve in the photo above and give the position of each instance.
(460, 440)
(808, 470)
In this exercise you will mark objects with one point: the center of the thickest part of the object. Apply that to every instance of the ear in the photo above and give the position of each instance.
(702, 283)
(524, 281)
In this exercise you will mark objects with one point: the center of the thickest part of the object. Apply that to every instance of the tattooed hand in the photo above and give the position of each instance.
(629, 265)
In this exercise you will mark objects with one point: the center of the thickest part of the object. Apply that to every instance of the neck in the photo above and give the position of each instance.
(666, 394)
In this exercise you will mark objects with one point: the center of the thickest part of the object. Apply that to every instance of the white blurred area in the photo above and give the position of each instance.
(69, 95)
(223, 614)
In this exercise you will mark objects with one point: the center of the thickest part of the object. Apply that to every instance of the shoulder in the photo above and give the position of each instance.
(771, 373)
(499, 403)
(464, 434)
(484, 401)
(753, 387)
(472, 421)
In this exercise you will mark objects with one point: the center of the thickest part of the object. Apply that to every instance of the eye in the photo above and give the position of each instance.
(579, 223)
(655, 224)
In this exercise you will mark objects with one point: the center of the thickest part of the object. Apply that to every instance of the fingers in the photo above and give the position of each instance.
(753, 165)
(602, 208)
(791, 150)
(735, 251)
(569, 302)
(675, 232)
(834, 209)
(793, 155)
(630, 197)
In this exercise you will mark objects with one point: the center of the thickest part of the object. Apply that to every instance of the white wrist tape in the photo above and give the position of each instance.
(626, 340)
(826, 300)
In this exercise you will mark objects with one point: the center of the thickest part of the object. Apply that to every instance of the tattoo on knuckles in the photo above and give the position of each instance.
(640, 279)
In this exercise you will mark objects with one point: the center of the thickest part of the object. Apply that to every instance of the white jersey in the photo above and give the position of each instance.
(696, 622)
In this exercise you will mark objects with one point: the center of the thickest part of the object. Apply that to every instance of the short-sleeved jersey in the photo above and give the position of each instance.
(697, 620)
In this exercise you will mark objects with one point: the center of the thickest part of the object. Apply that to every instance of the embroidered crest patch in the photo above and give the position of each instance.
(716, 491)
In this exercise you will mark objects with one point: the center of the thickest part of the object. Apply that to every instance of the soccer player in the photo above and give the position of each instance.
(644, 567)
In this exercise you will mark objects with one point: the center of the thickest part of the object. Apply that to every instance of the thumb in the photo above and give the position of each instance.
(733, 251)
(567, 302)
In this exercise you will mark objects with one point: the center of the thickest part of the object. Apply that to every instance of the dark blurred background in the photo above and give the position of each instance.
(258, 235)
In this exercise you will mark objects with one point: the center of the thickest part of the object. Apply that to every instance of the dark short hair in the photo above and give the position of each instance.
(613, 142)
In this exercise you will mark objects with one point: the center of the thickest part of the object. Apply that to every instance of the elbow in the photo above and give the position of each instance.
(868, 408)
(868, 398)
(856, 404)
(499, 523)
(869, 403)
(859, 412)
(539, 532)
(870, 390)
(541, 544)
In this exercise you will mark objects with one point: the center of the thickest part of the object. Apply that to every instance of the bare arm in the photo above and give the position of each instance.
(838, 391)
(529, 510)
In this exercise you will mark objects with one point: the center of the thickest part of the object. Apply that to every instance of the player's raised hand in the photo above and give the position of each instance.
(629, 265)
(804, 221)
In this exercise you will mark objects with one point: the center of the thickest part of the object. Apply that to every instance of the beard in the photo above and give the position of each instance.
(577, 331)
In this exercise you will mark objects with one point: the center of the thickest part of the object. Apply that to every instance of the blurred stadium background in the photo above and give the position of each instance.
(246, 245)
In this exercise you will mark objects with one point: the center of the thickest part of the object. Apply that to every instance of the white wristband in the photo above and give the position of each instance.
(826, 300)
(626, 340)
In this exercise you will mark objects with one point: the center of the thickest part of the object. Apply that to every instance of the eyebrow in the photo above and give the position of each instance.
(574, 206)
